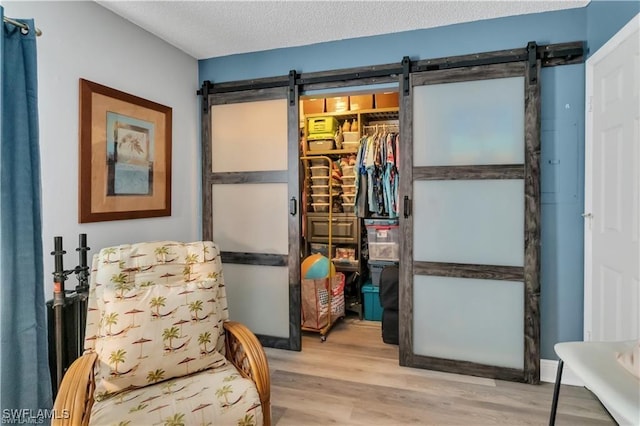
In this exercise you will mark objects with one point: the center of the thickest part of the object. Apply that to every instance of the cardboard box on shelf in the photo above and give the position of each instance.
(360, 102)
(313, 106)
(387, 100)
(337, 104)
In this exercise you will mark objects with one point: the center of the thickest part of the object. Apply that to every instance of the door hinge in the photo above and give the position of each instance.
(590, 103)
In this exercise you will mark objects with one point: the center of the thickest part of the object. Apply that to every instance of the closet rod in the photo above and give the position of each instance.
(384, 127)
(21, 25)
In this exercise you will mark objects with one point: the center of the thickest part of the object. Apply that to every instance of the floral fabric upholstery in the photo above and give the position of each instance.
(155, 317)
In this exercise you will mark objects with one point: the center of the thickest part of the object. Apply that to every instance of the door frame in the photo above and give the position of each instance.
(601, 54)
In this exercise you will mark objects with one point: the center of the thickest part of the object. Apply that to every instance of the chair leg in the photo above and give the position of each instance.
(556, 393)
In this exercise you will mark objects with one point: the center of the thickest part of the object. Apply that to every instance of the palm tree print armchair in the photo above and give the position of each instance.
(159, 346)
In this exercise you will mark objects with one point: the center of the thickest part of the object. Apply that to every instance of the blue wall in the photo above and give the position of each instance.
(605, 18)
(562, 161)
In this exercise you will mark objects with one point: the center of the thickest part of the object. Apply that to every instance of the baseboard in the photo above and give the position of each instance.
(549, 369)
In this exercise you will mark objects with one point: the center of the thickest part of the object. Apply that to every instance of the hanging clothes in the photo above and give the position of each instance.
(377, 168)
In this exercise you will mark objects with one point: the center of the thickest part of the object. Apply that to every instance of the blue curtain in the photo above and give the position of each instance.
(25, 381)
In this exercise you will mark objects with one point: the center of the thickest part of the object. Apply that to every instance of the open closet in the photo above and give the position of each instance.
(463, 222)
(349, 147)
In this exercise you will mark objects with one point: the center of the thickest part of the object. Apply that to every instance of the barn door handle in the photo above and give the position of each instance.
(293, 206)
(407, 206)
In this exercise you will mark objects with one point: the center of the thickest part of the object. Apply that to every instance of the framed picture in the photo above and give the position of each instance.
(125, 155)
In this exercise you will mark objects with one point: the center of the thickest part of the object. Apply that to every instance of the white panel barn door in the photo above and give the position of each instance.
(612, 189)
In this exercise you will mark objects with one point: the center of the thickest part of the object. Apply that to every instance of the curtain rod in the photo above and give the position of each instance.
(21, 25)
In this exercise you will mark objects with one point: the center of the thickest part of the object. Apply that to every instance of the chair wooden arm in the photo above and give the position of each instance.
(75, 396)
(244, 350)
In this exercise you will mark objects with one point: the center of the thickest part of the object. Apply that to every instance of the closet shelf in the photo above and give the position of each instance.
(372, 114)
(332, 152)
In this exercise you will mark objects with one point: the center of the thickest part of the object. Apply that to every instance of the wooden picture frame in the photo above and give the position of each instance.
(124, 156)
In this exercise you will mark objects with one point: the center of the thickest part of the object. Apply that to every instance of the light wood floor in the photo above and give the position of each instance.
(354, 379)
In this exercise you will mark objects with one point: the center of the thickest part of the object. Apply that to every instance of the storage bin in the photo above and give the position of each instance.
(319, 170)
(319, 162)
(348, 171)
(349, 189)
(387, 100)
(324, 180)
(320, 198)
(320, 189)
(372, 306)
(384, 237)
(358, 102)
(313, 106)
(345, 253)
(321, 145)
(348, 199)
(351, 146)
(384, 251)
(320, 180)
(321, 136)
(337, 104)
(322, 125)
(349, 180)
(323, 249)
(351, 136)
(320, 207)
(375, 269)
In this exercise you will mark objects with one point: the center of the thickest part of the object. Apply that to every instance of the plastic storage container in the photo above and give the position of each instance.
(320, 189)
(320, 180)
(372, 306)
(349, 181)
(320, 198)
(319, 170)
(351, 136)
(323, 125)
(323, 249)
(348, 198)
(349, 189)
(348, 171)
(384, 237)
(375, 269)
(319, 162)
(384, 251)
(351, 146)
(320, 207)
(321, 145)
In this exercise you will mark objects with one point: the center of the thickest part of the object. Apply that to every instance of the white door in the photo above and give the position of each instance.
(612, 189)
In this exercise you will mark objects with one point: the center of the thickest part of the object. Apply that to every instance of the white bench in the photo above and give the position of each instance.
(596, 365)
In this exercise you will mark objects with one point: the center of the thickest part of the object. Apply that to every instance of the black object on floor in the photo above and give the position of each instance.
(390, 329)
(389, 299)
(389, 278)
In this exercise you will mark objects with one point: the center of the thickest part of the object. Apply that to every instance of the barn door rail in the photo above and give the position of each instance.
(549, 55)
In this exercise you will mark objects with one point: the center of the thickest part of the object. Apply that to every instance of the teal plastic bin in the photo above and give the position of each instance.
(372, 306)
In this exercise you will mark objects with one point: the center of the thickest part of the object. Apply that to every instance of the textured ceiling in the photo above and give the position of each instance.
(206, 29)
